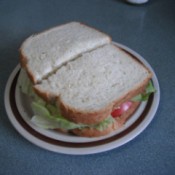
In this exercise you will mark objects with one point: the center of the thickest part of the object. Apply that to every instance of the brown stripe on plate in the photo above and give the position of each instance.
(52, 141)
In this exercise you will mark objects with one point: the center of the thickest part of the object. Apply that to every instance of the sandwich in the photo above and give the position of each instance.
(79, 82)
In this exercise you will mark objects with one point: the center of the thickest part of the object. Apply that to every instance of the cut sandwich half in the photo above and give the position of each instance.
(41, 54)
(88, 88)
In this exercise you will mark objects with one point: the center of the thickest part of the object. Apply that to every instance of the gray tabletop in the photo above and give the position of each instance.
(148, 29)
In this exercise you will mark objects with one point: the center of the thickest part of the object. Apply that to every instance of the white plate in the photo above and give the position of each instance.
(19, 112)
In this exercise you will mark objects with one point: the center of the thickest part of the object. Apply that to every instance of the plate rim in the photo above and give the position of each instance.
(93, 149)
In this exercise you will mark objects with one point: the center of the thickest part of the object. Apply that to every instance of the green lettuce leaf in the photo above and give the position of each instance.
(25, 83)
(44, 118)
(104, 124)
(144, 97)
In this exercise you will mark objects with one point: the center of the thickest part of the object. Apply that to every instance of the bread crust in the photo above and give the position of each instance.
(46, 96)
(119, 122)
(85, 117)
(90, 132)
(94, 117)
(90, 117)
(23, 62)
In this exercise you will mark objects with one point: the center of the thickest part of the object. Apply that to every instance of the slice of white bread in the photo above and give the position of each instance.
(89, 87)
(43, 53)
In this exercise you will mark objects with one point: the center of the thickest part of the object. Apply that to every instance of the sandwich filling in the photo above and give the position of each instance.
(48, 116)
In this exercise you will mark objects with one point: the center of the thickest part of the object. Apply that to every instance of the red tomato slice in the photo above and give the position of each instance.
(121, 109)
